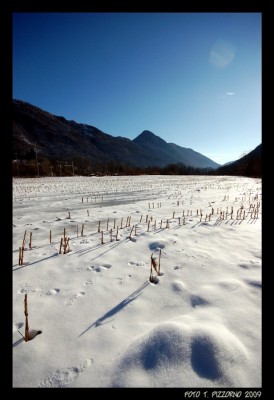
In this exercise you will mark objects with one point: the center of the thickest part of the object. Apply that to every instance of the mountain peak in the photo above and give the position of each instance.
(147, 133)
(148, 137)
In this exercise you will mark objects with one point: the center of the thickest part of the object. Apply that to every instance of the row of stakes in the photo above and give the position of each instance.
(64, 242)
(244, 198)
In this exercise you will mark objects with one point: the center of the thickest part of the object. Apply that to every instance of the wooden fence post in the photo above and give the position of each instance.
(26, 318)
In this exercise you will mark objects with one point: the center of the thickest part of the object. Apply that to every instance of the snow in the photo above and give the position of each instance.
(103, 323)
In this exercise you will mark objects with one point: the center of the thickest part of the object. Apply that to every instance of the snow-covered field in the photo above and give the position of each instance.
(103, 323)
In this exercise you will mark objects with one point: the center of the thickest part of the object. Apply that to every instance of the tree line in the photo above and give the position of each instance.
(31, 166)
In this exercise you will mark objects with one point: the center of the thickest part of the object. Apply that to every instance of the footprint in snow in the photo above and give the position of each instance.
(52, 292)
(136, 263)
(87, 283)
(99, 268)
(65, 376)
(38, 290)
(84, 241)
(178, 266)
(74, 298)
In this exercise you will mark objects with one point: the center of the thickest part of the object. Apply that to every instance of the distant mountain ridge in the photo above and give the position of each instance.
(174, 153)
(248, 165)
(56, 138)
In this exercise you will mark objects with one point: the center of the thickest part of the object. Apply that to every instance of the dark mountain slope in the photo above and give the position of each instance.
(249, 165)
(56, 138)
(172, 153)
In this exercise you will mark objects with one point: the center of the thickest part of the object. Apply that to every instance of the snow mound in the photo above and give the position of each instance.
(178, 286)
(197, 354)
(149, 357)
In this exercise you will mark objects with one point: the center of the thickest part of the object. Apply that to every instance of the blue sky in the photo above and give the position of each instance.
(193, 79)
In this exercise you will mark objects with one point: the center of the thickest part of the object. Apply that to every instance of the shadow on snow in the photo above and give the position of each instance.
(118, 307)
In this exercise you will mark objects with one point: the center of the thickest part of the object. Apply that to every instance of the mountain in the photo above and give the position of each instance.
(59, 139)
(55, 138)
(249, 165)
(172, 153)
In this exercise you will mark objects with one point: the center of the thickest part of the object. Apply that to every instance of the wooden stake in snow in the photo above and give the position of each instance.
(151, 275)
(82, 230)
(159, 262)
(26, 318)
(50, 236)
(154, 263)
(24, 240)
(117, 233)
(66, 245)
(20, 261)
(61, 244)
(30, 240)
(99, 229)
(131, 231)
